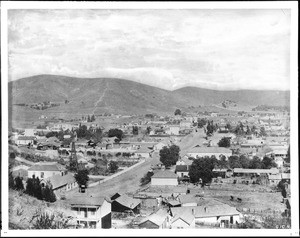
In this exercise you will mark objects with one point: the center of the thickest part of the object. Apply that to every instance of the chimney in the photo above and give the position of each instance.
(193, 211)
(205, 209)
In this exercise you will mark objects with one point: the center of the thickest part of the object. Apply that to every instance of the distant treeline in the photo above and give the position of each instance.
(268, 108)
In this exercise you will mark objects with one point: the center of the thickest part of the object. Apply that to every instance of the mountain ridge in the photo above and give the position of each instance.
(112, 95)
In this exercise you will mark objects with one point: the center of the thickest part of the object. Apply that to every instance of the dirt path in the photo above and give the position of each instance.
(100, 99)
(125, 183)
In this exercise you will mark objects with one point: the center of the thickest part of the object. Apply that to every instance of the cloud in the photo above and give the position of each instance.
(165, 48)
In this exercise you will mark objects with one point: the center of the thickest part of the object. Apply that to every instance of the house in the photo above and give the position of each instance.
(25, 140)
(213, 214)
(188, 200)
(223, 173)
(144, 152)
(185, 124)
(157, 220)
(209, 151)
(274, 179)
(29, 132)
(91, 212)
(159, 146)
(253, 172)
(60, 184)
(45, 170)
(173, 130)
(164, 177)
(184, 161)
(183, 221)
(182, 170)
(125, 203)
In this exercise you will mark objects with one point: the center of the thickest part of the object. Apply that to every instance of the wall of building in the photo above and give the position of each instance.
(180, 224)
(164, 181)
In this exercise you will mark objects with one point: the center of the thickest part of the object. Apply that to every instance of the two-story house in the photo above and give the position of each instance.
(92, 212)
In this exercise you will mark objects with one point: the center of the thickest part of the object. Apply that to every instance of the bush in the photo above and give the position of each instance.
(51, 221)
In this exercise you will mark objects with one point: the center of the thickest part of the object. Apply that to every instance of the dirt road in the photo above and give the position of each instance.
(125, 183)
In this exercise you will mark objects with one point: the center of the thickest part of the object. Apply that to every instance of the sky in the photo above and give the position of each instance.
(170, 49)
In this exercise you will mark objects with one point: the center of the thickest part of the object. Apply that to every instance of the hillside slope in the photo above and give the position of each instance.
(119, 96)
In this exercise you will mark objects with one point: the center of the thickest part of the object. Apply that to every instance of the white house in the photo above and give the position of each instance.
(209, 151)
(157, 220)
(173, 130)
(144, 152)
(182, 170)
(91, 212)
(185, 124)
(60, 184)
(29, 132)
(183, 221)
(45, 170)
(159, 146)
(164, 177)
(214, 214)
(25, 140)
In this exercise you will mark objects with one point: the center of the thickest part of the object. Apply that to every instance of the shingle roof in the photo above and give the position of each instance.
(206, 211)
(26, 137)
(45, 167)
(128, 201)
(58, 180)
(157, 218)
(188, 198)
(212, 149)
(85, 200)
(186, 217)
(259, 171)
(164, 174)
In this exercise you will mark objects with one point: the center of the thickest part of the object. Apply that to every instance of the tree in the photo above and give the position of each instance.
(147, 178)
(177, 112)
(201, 170)
(169, 155)
(11, 181)
(244, 161)
(135, 130)
(97, 135)
(224, 142)
(201, 122)
(255, 163)
(19, 183)
(262, 131)
(113, 166)
(93, 118)
(48, 194)
(82, 177)
(89, 119)
(268, 163)
(210, 128)
(116, 132)
(148, 129)
(234, 162)
(288, 156)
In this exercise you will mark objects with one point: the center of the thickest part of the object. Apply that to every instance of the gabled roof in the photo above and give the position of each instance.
(144, 149)
(164, 174)
(45, 167)
(127, 201)
(188, 198)
(186, 217)
(258, 171)
(58, 180)
(206, 211)
(85, 200)
(212, 149)
(157, 218)
(26, 138)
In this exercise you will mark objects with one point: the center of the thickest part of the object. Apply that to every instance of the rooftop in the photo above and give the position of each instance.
(85, 200)
(128, 201)
(212, 149)
(45, 167)
(164, 174)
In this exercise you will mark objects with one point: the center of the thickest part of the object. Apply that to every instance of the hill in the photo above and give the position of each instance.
(82, 96)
